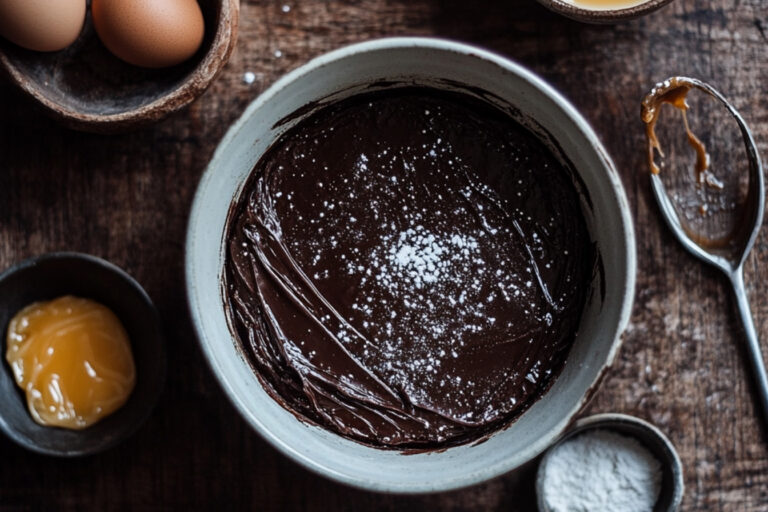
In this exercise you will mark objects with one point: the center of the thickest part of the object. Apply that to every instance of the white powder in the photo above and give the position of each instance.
(601, 471)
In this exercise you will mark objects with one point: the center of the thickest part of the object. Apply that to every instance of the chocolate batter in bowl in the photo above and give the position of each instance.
(375, 269)
(408, 268)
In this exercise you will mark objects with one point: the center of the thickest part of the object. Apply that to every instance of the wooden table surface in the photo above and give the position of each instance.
(126, 198)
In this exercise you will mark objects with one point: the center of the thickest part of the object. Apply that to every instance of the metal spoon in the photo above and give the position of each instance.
(732, 266)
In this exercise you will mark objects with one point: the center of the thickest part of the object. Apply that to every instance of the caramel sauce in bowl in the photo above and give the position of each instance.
(101, 403)
(72, 357)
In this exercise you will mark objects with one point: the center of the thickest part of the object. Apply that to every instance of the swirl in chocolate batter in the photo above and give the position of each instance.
(408, 268)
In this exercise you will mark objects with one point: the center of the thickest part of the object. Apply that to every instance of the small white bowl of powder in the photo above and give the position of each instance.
(609, 463)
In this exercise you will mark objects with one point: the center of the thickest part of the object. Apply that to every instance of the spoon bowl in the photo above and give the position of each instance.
(755, 201)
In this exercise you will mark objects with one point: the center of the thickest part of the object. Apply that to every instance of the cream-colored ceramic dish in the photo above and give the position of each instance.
(447, 65)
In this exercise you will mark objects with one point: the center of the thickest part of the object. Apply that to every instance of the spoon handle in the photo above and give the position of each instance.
(753, 345)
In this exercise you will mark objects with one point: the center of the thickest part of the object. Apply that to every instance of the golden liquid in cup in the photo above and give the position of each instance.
(72, 357)
(605, 4)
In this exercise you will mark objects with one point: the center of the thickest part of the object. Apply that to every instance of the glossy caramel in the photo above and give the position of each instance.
(675, 93)
(72, 357)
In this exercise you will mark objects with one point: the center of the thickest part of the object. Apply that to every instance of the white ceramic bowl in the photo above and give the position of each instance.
(429, 62)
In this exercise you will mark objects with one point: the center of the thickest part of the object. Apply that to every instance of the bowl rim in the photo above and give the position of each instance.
(192, 86)
(608, 421)
(321, 61)
(586, 15)
(147, 406)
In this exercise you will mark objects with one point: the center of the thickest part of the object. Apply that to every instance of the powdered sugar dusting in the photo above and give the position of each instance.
(443, 270)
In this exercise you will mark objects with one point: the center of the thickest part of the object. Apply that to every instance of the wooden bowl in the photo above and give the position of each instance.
(603, 15)
(87, 88)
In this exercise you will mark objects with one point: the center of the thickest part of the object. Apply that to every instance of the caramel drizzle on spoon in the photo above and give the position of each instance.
(675, 92)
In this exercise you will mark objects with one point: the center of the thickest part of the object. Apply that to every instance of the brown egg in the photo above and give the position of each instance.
(42, 25)
(149, 33)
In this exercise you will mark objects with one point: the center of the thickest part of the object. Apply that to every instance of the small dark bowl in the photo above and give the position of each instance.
(52, 275)
(672, 486)
(87, 88)
(603, 16)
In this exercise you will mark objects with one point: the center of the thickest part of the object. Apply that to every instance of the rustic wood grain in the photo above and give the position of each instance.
(126, 198)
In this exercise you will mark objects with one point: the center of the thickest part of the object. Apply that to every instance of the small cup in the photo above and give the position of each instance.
(52, 275)
(672, 487)
(603, 16)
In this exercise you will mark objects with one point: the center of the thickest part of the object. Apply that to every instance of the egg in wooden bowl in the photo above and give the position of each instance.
(123, 72)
